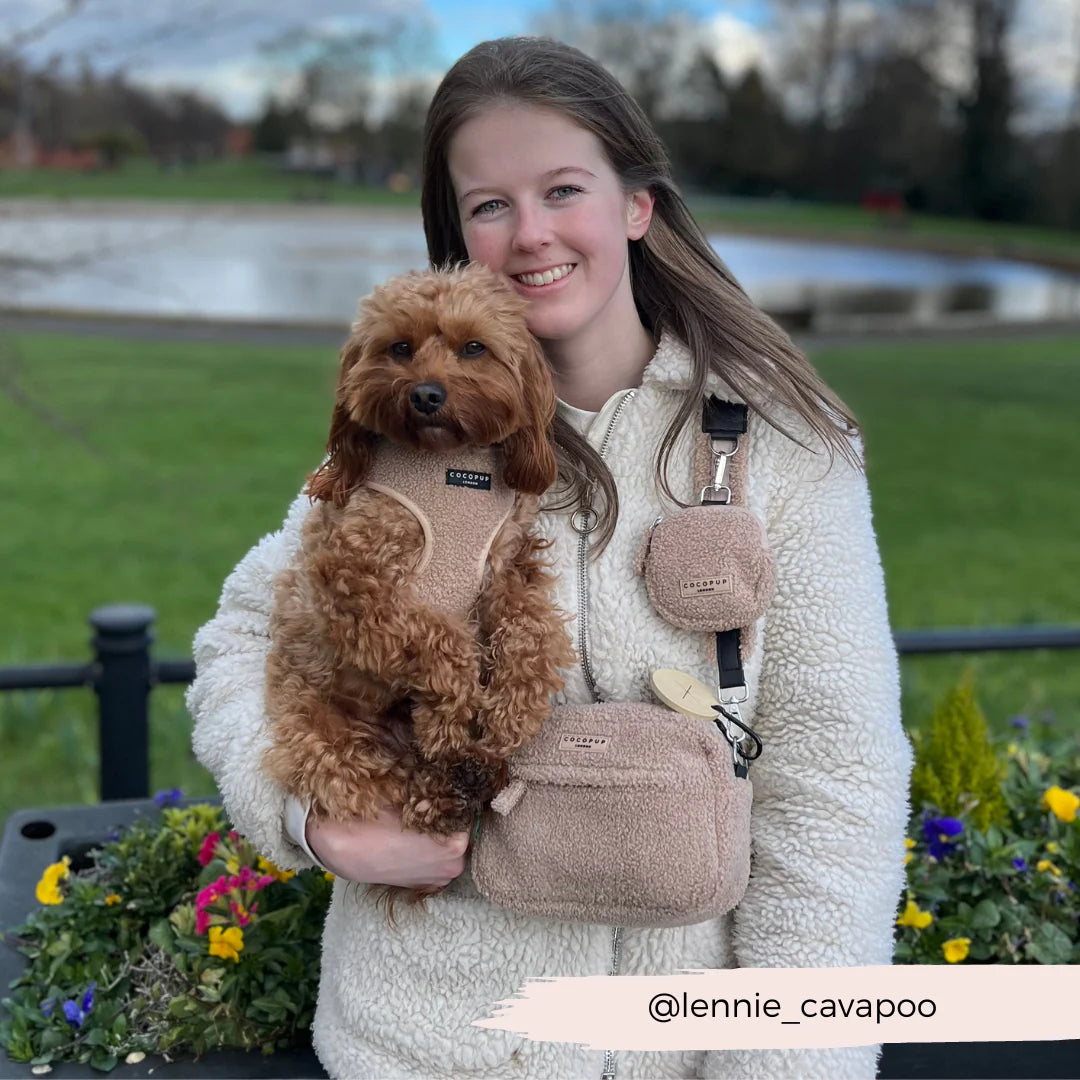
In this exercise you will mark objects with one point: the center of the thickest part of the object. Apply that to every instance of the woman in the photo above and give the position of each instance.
(539, 164)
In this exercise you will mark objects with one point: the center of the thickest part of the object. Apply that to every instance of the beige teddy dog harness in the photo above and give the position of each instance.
(461, 501)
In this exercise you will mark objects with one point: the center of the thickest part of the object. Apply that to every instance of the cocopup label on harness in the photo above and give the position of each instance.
(460, 478)
(707, 586)
(589, 744)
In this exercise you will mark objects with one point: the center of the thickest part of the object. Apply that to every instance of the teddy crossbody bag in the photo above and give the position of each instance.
(631, 813)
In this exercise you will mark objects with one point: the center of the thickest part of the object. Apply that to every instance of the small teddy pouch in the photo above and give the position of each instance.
(709, 567)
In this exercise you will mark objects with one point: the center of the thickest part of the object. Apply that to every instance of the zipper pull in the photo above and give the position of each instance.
(643, 548)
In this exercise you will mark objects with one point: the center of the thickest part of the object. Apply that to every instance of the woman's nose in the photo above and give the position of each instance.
(532, 230)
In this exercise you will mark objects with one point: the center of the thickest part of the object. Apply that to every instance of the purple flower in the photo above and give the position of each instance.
(1020, 864)
(168, 797)
(47, 1007)
(939, 833)
(76, 1014)
(1020, 722)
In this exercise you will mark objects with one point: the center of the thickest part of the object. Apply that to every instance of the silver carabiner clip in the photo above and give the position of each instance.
(736, 733)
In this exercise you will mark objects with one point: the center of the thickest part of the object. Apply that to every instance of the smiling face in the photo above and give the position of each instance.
(539, 202)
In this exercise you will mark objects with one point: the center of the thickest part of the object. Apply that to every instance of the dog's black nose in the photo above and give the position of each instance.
(427, 398)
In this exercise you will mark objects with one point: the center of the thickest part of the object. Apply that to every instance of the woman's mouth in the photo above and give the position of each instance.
(546, 281)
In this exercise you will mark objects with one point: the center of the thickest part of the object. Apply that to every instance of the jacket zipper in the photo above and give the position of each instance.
(586, 666)
(584, 531)
(609, 1055)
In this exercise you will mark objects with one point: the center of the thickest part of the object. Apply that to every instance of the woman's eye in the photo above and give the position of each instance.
(566, 187)
(400, 350)
(474, 348)
(485, 207)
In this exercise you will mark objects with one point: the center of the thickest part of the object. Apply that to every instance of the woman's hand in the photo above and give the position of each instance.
(380, 852)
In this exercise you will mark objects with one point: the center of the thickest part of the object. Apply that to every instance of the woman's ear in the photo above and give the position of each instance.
(531, 467)
(349, 448)
(639, 213)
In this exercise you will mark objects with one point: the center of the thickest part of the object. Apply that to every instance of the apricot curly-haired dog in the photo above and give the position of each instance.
(414, 643)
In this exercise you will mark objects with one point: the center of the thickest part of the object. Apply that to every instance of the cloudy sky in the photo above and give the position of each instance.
(214, 45)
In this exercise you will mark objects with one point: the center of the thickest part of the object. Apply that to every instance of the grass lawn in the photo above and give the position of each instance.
(252, 180)
(142, 472)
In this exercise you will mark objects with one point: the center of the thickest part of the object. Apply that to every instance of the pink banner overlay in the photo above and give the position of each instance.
(758, 1008)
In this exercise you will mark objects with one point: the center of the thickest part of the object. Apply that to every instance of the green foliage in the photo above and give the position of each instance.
(126, 938)
(956, 768)
(1010, 888)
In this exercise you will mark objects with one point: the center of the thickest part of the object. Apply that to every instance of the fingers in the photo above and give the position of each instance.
(381, 852)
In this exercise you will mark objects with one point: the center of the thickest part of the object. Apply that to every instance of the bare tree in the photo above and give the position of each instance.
(648, 45)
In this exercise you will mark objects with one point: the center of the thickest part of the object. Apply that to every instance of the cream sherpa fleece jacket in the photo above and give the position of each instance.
(830, 790)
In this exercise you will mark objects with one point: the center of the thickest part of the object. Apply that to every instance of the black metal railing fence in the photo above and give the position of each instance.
(123, 672)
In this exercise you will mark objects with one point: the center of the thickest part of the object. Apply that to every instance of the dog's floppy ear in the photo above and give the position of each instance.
(349, 448)
(531, 467)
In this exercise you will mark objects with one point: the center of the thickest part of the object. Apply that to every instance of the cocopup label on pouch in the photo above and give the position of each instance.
(707, 586)
(586, 744)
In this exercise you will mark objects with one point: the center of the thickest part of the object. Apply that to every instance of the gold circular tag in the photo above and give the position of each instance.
(684, 693)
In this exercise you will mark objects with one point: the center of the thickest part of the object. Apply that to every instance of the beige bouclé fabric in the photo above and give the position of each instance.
(635, 777)
(461, 502)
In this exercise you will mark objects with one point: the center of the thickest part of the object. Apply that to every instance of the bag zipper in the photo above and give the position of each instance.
(586, 527)
(583, 531)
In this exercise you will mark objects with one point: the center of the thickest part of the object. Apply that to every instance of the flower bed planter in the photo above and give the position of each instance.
(32, 839)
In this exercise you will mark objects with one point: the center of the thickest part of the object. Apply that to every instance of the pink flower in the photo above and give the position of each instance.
(209, 846)
(228, 889)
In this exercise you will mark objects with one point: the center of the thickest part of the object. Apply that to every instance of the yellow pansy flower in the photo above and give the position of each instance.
(1012, 749)
(1063, 804)
(112, 898)
(233, 866)
(1052, 847)
(226, 942)
(267, 867)
(328, 875)
(1046, 864)
(909, 844)
(956, 949)
(914, 917)
(48, 888)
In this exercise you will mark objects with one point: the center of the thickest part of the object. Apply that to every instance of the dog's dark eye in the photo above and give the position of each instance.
(400, 350)
(474, 348)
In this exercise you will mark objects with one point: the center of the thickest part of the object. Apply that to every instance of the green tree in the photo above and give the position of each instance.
(956, 768)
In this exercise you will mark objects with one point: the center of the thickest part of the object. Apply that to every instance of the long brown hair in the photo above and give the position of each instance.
(679, 283)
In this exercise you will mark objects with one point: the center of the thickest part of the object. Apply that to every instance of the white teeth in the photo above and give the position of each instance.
(547, 277)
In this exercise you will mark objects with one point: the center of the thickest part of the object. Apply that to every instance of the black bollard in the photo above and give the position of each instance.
(122, 683)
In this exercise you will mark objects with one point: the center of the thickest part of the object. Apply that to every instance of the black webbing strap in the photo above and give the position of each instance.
(726, 420)
(723, 419)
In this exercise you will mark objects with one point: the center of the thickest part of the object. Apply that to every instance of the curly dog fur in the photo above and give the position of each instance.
(375, 697)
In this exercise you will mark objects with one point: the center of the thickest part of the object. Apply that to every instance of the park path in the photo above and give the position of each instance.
(326, 334)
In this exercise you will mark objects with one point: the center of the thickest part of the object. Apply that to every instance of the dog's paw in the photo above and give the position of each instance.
(439, 816)
(476, 780)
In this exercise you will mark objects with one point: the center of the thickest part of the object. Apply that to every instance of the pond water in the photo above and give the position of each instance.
(312, 265)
